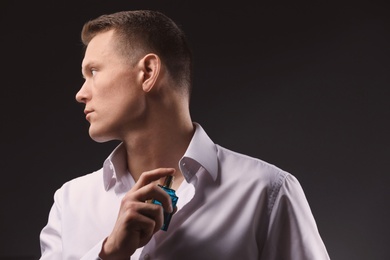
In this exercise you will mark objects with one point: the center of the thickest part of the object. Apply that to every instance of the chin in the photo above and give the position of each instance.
(99, 138)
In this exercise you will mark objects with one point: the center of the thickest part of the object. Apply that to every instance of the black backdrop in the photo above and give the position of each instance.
(303, 85)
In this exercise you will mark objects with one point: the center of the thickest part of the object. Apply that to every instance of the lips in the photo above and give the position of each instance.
(87, 113)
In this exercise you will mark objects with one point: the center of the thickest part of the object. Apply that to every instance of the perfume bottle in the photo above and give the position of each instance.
(167, 188)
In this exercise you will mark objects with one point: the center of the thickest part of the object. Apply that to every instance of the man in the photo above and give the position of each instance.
(137, 70)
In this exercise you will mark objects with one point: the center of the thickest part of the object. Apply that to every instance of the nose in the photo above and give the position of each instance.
(82, 95)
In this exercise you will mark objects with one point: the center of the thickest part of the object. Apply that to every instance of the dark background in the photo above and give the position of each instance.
(302, 85)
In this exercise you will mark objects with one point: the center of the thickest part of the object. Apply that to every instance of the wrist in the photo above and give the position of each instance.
(108, 252)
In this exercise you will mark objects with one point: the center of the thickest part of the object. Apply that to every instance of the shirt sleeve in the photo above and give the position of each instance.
(51, 238)
(93, 254)
(292, 232)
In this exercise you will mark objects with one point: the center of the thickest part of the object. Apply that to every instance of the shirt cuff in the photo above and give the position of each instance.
(93, 254)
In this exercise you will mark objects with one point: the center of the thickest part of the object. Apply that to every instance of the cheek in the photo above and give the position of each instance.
(132, 107)
(125, 109)
(122, 105)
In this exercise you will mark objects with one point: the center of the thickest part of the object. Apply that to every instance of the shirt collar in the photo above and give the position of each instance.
(201, 152)
(115, 168)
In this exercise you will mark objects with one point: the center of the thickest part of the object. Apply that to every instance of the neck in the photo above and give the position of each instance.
(161, 145)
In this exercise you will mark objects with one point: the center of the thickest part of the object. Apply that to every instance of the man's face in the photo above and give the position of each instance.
(112, 91)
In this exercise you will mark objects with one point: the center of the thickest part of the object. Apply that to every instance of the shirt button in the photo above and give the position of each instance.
(147, 257)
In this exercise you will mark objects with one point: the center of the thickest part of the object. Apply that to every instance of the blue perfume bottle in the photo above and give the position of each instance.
(171, 192)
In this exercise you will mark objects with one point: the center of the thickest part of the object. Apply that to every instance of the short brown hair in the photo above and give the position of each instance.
(144, 31)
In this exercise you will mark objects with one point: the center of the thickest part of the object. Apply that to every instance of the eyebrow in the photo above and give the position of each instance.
(82, 72)
(85, 67)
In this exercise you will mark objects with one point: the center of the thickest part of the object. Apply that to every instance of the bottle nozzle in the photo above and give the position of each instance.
(168, 181)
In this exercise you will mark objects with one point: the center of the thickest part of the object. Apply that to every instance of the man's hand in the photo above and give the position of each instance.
(137, 220)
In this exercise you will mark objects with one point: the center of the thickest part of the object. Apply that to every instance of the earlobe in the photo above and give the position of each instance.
(151, 68)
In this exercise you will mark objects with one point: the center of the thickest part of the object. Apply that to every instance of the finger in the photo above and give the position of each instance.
(152, 192)
(154, 212)
(136, 223)
(153, 175)
(145, 216)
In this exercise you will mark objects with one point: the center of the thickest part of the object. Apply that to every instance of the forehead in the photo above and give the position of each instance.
(102, 46)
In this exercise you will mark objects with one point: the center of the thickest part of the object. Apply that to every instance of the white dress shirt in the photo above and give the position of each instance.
(231, 206)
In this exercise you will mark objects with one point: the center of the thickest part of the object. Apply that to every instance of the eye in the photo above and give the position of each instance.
(93, 72)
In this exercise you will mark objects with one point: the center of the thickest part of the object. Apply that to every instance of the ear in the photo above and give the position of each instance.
(150, 66)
